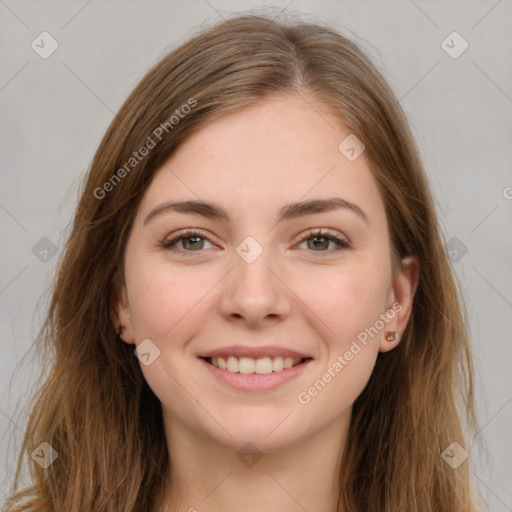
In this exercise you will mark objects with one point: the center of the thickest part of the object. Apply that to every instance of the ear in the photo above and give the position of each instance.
(400, 301)
(120, 308)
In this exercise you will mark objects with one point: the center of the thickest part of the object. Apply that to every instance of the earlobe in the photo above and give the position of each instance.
(401, 299)
(119, 309)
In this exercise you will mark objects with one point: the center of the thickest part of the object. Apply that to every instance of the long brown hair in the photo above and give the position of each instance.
(95, 408)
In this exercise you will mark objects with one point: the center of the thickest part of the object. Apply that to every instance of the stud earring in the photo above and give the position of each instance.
(121, 330)
(392, 336)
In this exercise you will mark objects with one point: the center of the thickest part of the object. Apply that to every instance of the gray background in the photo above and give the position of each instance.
(54, 112)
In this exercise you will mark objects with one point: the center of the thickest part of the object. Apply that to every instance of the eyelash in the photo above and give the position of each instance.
(312, 233)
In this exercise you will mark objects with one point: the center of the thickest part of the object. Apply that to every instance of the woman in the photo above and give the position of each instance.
(254, 308)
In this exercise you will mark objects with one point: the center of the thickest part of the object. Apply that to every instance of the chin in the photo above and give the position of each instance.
(269, 433)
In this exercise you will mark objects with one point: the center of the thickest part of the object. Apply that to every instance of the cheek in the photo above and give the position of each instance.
(161, 297)
(347, 300)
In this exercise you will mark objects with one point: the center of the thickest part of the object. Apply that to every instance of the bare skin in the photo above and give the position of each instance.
(314, 296)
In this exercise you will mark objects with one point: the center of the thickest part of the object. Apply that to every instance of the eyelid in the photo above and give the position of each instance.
(322, 232)
(185, 233)
(340, 240)
(337, 238)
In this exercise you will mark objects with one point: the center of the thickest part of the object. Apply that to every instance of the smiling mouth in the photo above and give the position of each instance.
(260, 366)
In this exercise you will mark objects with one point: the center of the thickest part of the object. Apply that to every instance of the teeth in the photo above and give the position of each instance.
(277, 364)
(261, 366)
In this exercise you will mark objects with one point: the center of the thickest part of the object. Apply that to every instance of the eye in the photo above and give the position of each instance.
(194, 241)
(320, 241)
(191, 241)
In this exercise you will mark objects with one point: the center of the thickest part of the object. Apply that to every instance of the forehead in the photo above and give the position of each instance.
(279, 150)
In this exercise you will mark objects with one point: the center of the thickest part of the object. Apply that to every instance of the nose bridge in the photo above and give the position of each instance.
(252, 261)
(252, 267)
(253, 290)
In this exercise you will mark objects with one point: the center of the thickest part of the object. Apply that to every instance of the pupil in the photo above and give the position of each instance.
(316, 239)
(196, 238)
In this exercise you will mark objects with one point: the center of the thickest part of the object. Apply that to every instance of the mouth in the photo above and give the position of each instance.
(255, 375)
(260, 366)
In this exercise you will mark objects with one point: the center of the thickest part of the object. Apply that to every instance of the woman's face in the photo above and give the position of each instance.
(246, 273)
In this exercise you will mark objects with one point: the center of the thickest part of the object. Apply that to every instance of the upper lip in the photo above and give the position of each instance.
(254, 352)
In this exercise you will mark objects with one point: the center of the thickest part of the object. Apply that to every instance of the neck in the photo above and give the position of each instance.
(208, 476)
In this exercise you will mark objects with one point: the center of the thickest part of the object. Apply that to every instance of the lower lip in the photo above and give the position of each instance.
(254, 381)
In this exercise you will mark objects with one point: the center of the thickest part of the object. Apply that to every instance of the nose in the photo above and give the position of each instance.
(255, 293)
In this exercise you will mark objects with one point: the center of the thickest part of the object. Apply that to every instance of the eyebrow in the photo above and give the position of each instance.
(289, 211)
